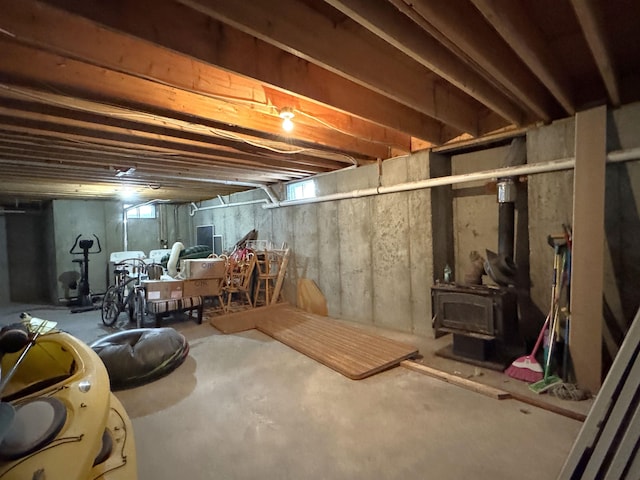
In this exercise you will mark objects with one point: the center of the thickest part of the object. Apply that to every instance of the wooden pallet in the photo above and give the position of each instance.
(348, 350)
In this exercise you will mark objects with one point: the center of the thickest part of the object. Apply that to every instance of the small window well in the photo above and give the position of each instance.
(300, 190)
(143, 211)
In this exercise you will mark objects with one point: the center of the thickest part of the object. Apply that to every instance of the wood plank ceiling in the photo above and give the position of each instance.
(181, 100)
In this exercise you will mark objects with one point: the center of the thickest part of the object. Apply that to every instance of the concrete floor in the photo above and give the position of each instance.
(245, 406)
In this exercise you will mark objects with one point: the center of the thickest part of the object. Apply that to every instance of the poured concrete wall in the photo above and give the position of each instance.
(5, 286)
(551, 205)
(475, 208)
(27, 257)
(370, 256)
(86, 218)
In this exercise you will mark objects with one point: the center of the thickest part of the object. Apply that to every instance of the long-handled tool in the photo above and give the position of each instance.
(549, 380)
(527, 368)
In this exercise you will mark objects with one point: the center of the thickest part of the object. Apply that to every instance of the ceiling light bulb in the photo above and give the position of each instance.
(127, 193)
(287, 125)
(287, 114)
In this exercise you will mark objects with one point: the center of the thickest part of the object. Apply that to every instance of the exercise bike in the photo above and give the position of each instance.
(84, 301)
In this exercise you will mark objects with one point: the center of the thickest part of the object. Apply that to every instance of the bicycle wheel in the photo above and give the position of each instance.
(110, 306)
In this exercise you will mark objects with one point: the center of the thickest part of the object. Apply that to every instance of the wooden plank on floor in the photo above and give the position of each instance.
(348, 350)
(455, 380)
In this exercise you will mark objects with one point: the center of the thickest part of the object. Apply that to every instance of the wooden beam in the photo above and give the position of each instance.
(585, 337)
(86, 81)
(512, 21)
(345, 49)
(456, 380)
(44, 26)
(390, 24)
(460, 22)
(41, 101)
(183, 30)
(119, 137)
(591, 21)
(32, 188)
(61, 154)
(179, 138)
(98, 167)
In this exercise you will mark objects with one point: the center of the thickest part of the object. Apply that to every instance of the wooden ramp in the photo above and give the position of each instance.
(236, 322)
(345, 349)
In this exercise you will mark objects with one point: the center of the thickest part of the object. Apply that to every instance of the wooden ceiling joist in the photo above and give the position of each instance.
(22, 64)
(512, 22)
(191, 33)
(458, 21)
(345, 50)
(590, 18)
(44, 26)
(188, 93)
(397, 29)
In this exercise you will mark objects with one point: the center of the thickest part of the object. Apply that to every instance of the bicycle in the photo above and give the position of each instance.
(127, 294)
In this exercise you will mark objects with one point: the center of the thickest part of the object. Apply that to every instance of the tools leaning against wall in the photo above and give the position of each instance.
(551, 333)
(555, 374)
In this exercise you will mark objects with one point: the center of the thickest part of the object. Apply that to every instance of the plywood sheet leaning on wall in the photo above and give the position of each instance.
(310, 298)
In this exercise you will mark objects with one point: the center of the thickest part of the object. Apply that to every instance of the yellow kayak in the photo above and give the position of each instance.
(66, 424)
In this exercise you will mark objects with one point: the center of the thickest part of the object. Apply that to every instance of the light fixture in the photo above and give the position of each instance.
(127, 193)
(286, 113)
(121, 172)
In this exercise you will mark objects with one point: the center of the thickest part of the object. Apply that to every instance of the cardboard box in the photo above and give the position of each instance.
(203, 268)
(204, 287)
(163, 289)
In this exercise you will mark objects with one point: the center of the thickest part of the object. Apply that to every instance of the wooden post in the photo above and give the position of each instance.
(585, 337)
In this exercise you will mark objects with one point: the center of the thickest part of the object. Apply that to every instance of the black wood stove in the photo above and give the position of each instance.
(483, 321)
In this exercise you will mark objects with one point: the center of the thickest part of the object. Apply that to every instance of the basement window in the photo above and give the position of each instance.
(300, 190)
(143, 211)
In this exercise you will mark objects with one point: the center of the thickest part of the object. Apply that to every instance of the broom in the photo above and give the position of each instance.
(527, 368)
(548, 380)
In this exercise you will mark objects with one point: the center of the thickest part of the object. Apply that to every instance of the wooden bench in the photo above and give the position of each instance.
(164, 308)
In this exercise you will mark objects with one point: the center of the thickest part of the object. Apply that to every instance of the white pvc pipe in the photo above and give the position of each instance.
(193, 208)
(513, 171)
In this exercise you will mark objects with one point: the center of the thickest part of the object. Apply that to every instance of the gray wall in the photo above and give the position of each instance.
(551, 204)
(27, 260)
(5, 286)
(371, 256)
(87, 218)
(475, 208)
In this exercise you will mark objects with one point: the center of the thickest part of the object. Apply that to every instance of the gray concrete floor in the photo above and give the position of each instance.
(245, 406)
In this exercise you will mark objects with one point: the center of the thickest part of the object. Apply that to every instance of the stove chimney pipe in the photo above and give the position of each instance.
(507, 191)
